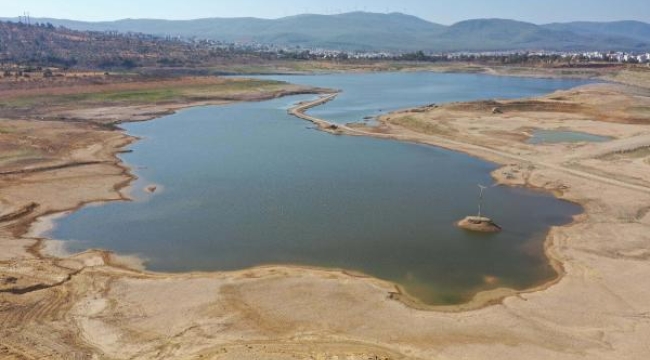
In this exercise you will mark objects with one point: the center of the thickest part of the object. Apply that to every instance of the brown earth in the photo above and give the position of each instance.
(117, 98)
(96, 305)
(478, 224)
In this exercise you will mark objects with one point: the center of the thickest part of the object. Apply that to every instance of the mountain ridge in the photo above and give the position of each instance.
(395, 32)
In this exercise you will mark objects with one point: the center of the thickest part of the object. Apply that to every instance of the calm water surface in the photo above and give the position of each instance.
(246, 184)
(366, 95)
(559, 136)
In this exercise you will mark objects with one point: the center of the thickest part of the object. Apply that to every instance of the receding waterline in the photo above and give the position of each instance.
(247, 185)
(561, 136)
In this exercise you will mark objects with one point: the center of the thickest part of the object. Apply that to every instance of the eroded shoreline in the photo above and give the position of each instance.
(252, 289)
(55, 248)
(481, 298)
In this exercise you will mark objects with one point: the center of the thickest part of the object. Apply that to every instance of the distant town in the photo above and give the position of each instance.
(612, 56)
(26, 45)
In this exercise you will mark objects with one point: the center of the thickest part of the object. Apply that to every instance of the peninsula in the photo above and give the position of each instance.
(59, 146)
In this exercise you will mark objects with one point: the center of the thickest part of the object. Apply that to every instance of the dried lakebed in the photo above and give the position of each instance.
(247, 184)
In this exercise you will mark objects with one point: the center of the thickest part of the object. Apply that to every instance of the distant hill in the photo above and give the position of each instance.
(637, 30)
(47, 45)
(500, 34)
(391, 32)
(350, 31)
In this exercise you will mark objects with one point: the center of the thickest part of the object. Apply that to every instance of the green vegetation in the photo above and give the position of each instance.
(138, 96)
(419, 125)
(167, 93)
(628, 29)
(394, 32)
(641, 110)
(44, 46)
(244, 69)
(22, 154)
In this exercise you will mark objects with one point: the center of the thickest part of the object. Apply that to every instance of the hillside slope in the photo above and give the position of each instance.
(51, 46)
(636, 30)
(390, 32)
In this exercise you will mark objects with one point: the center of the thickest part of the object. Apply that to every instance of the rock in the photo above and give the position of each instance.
(497, 110)
(479, 224)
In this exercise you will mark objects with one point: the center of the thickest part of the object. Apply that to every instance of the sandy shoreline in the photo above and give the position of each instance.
(42, 226)
(595, 309)
(480, 299)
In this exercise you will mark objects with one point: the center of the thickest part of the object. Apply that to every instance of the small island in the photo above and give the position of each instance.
(479, 224)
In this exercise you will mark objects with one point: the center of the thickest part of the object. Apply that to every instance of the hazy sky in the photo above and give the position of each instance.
(444, 12)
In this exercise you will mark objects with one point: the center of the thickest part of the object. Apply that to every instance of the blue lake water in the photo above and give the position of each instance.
(559, 136)
(247, 184)
(373, 94)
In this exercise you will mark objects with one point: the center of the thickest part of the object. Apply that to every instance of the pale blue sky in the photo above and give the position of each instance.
(444, 12)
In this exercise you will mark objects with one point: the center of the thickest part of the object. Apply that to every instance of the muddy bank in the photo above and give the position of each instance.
(89, 304)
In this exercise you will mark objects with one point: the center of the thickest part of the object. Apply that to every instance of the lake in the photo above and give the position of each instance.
(247, 184)
(561, 136)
